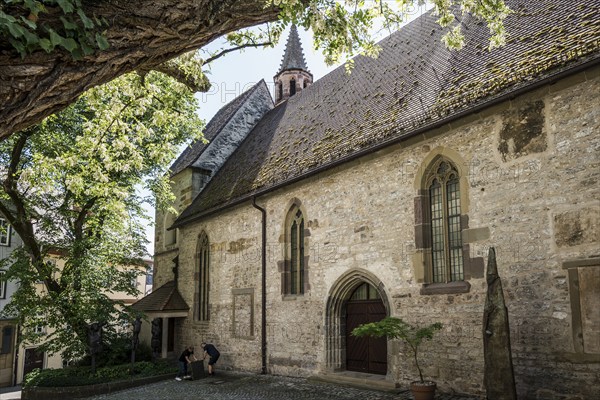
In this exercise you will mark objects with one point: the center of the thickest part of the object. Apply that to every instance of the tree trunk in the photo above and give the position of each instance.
(141, 34)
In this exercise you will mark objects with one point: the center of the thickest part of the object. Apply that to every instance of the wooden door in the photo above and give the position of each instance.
(365, 354)
(33, 359)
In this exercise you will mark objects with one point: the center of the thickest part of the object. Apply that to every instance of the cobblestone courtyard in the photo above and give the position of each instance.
(238, 386)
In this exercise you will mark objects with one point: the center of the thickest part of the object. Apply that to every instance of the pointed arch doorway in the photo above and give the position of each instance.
(355, 290)
(365, 354)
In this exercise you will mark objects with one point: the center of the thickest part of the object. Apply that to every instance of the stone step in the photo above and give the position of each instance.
(356, 379)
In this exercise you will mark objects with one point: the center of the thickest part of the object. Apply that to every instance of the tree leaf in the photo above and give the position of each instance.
(68, 24)
(102, 42)
(87, 23)
(55, 38)
(66, 5)
(46, 45)
(69, 44)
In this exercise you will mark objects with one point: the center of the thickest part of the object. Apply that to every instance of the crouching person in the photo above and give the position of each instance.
(212, 352)
(185, 359)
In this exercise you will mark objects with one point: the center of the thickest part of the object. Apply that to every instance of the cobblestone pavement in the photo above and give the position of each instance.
(239, 386)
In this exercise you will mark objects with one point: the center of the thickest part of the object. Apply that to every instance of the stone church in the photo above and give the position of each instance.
(379, 193)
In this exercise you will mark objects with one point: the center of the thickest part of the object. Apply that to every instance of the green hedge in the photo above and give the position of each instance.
(81, 376)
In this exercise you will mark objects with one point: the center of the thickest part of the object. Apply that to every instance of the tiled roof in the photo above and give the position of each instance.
(414, 83)
(212, 129)
(165, 298)
(293, 57)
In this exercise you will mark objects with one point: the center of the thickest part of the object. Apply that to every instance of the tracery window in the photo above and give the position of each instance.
(446, 236)
(203, 282)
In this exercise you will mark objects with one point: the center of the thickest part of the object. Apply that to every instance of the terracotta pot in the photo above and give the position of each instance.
(423, 390)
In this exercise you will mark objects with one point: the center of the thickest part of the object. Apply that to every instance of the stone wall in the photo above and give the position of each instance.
(532, 193)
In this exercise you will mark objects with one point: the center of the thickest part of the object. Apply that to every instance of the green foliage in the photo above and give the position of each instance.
(117, 351)
(344, 28)
(24, 23)
(341, 28)
(73, 187)
(396, 328)
(81, 376)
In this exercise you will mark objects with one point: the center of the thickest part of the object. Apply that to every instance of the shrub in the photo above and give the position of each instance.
(117, 351)
(82, 375)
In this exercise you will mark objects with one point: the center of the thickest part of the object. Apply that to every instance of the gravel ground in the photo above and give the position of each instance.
(239, 386)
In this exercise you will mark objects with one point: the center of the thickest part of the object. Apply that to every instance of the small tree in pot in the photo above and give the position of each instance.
(396, 328)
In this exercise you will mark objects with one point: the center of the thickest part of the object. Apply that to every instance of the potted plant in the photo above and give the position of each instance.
(396, 328)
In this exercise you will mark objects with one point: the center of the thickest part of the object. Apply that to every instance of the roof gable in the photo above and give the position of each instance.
(165, 298)
(215, 126)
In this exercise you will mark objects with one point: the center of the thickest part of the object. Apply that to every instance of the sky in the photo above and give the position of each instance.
(236, 72)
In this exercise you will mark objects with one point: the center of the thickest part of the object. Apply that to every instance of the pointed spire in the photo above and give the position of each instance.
(293, 75)
(293, 58)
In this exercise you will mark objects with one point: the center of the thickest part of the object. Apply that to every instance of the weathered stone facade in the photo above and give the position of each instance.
(529, 172)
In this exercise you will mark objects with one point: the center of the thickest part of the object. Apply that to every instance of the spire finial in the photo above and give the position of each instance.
(293, 58)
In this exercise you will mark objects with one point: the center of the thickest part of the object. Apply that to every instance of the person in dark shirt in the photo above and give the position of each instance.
(185, 359)
(212, 352)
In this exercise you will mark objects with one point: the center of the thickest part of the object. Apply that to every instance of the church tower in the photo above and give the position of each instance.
(293, 75)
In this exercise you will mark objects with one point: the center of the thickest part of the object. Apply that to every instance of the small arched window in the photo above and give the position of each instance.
(292, 87)
(280, 89)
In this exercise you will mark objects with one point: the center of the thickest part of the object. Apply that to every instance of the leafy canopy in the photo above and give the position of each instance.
(341, 28)
(71, 187)
(396, 328)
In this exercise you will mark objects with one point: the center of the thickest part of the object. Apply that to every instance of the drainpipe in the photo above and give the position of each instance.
(263, 325)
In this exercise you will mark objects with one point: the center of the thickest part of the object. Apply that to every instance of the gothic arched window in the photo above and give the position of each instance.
(202, 281)
(292, 87)
(295, 263)
(443, 185)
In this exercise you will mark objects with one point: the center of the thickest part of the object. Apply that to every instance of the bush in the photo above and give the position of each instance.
(82, 375)
(117, 351)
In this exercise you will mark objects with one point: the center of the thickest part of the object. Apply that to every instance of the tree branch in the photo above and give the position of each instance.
(141, 34)
(195, 83)
(222, 53)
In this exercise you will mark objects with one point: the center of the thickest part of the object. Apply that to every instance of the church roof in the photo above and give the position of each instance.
(212, 130)
(293, 57)
(414, 85)
(165, 298)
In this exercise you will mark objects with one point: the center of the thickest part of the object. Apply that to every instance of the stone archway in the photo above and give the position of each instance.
(335, 314)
